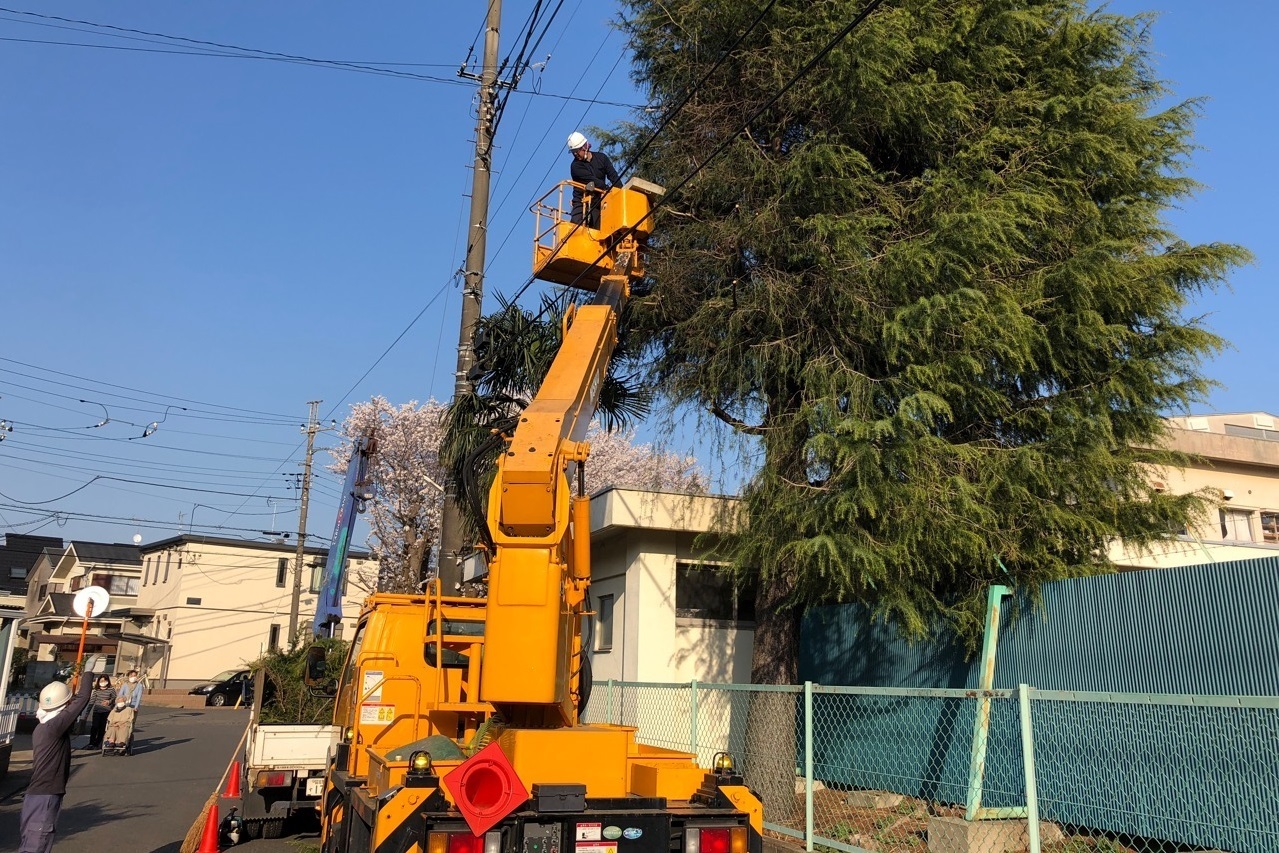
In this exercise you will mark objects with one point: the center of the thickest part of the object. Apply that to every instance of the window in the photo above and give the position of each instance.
(117, 584)
(194, 601)
(146, 571)
(1270, 527)
(167, 557)
(707, 592)
(17, 572)
(604, 624)
(281, 571)
(1236, 525)
(273, 638)
(44, 590)
(317, 577)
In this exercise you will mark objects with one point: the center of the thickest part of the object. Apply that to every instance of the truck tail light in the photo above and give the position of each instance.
(463, 842)
(721, 839)
(274, 779)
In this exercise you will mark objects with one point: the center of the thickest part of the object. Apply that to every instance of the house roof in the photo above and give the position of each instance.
(283, 548)
(101, 552)
(20, 551)
(59, 604)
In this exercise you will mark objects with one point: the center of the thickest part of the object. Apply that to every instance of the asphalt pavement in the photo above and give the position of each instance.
(144, 802)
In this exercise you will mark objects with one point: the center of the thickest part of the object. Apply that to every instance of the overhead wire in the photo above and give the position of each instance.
(192, 402)
(238, 52)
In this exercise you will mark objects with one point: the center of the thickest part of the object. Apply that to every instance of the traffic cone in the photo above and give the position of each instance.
(212, 826)
(233, 782)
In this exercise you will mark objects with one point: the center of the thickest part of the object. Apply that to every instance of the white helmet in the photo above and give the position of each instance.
(54, 695)
(575, 141)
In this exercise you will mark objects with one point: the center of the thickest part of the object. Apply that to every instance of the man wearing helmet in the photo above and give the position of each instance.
(50, 762)
(594, 171)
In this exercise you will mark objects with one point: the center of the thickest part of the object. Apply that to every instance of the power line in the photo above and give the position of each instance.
(272, 415)
(257, 54)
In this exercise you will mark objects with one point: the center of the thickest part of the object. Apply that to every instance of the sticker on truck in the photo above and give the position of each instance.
(376, 715)
(372, 691)
(589, 831)
(597, 847)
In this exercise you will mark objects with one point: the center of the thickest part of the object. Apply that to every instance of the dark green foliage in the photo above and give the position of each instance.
(514, 349)
(286, 698)
(935, 280)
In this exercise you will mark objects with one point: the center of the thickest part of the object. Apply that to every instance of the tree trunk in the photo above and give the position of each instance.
(772, 733)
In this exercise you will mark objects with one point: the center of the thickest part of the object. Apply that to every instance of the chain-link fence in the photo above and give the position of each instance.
(906, 770)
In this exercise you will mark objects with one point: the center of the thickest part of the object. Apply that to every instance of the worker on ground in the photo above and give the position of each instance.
(50, 762)
(595, 172)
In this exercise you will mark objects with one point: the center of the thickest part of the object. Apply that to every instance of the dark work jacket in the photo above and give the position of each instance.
(51, 745)
(598, 169)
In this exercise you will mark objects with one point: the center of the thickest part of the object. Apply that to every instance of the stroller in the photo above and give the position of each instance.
(118, 739)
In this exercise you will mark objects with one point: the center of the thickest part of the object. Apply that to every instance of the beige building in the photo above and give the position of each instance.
(206, 605)
(1239, 472)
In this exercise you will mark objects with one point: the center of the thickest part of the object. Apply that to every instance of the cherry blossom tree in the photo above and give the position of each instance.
(404, 516)
(616, 460)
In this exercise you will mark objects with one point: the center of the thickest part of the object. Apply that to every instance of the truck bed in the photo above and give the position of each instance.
(293, 747)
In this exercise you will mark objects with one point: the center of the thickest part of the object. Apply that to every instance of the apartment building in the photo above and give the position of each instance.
(1237, 468)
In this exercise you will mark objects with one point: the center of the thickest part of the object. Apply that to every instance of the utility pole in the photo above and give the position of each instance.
(473, 284)
(312, 427)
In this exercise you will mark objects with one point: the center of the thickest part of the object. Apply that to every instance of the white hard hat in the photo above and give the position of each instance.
(575, 141)
(54, 695)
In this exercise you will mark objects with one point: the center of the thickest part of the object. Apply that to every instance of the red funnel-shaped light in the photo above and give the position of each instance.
(485, 788)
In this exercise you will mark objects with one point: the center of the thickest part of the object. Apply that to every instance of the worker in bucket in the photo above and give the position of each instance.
(51, 762)
(595, 172)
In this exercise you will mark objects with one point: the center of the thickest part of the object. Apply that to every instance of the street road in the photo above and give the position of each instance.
(145, 802)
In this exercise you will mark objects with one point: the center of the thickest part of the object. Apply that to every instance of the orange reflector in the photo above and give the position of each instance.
(716, 841)
(437, 842)
(738, 842)
(485, 789)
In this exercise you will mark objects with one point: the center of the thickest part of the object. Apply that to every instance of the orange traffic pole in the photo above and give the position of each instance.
(84, 629)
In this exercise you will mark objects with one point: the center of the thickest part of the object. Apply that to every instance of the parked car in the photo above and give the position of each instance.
(226, 688)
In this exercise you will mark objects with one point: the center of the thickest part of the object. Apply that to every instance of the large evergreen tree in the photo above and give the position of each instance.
(934, 280)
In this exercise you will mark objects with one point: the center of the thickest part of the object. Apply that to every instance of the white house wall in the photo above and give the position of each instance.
(217, 606)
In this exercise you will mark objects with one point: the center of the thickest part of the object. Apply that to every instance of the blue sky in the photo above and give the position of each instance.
(239, 236)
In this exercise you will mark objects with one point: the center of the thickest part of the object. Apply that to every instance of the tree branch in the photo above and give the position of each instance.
(740, 426)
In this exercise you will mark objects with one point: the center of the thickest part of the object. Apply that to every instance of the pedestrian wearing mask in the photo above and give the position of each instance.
(100, 702)
(132, 690)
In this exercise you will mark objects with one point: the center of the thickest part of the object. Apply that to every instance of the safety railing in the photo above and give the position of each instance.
(911, 770)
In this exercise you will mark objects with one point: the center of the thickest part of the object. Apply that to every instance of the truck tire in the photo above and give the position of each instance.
(273, 828)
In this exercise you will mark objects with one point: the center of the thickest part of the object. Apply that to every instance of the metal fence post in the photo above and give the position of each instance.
(981, 724)
(1028, 763)
(808, 765)
(692, 718)
(608, 706)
